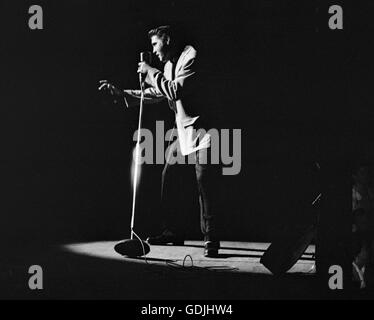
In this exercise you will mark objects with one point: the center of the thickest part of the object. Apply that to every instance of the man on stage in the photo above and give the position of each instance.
(179, 84)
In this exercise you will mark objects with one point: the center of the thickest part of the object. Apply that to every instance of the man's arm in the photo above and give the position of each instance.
(184, 80)
(132, 97)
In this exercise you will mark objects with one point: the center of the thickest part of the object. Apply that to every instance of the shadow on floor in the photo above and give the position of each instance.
(307, 256)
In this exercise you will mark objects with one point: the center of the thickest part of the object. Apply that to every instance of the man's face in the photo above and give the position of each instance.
(160, 48)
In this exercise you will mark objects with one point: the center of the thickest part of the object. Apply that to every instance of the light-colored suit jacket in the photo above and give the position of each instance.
(177, 86)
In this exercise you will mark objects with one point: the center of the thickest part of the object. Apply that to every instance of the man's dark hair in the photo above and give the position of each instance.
(162, 32)
(175, 34)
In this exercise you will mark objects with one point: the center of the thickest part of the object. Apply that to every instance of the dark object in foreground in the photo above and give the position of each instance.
(132, 248)
(283, 254)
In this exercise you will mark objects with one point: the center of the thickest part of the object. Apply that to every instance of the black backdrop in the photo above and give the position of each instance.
(299, 92)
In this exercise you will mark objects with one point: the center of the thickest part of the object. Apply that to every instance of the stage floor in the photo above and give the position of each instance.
(94, 270)
(233, 256)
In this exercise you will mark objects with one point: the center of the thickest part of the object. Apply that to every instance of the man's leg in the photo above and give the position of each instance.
(207, 180)
(170, 223)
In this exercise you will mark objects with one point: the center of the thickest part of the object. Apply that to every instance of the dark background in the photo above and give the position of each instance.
(300, 92)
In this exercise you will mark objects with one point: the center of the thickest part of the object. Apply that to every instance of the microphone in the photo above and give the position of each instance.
(146, 57)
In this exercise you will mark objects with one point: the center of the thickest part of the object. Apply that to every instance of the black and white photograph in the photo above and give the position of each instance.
(182, 155)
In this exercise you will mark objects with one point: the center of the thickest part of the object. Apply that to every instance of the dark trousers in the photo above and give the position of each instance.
(177, 193)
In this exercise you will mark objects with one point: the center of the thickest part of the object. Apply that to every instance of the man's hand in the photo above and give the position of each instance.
(107, 86)
(117, 94)
(143, 67)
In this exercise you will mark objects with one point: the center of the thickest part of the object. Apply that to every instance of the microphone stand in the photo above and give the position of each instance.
(137, 151)
(135, 247)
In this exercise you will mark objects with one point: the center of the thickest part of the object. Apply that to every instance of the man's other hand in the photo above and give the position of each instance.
(118, 95)
(107, 86)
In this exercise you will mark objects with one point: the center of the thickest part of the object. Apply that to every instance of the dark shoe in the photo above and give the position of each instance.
(167, 237)
(211, 249)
